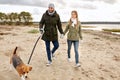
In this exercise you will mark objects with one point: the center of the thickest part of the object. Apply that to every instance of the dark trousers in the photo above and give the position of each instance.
(49, 52)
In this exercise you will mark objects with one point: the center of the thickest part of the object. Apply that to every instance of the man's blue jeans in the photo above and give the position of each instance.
(76, 45)
(49, 52)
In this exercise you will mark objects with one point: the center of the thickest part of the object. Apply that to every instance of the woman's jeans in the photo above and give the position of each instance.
(76, 45)
(49, 52)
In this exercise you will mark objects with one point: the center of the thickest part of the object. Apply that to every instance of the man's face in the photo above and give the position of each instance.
(50, 9)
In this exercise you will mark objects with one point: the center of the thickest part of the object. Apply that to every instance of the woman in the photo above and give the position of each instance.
(74, 34)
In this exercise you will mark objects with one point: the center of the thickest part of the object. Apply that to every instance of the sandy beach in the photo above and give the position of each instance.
(99, 56)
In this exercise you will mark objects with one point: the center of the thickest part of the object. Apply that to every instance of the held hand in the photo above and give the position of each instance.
(62, 36)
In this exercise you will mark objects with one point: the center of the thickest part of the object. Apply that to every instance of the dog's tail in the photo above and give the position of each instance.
(15, 50)
(13, 54)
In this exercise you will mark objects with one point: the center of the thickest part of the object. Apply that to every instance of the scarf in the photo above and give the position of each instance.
(74, 22)
(51, 14)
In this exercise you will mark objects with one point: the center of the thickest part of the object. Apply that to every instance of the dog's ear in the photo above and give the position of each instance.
(30, 68)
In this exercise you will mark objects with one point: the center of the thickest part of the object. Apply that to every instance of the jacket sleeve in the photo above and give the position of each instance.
(66, 29)
(41, 23)
(59, 25)
(80, 33)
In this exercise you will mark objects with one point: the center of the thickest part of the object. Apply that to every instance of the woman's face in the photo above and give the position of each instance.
(73, 15)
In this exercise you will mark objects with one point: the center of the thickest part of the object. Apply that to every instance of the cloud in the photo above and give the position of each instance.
(119, 12)
(110, 1)
(84, 6)
(40, 3)
(106, 1)
(81, 4)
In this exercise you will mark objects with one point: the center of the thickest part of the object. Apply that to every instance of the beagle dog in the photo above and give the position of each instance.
(18, 64)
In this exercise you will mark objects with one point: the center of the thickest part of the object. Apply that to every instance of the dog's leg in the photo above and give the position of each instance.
(11, 64)
(10, 67)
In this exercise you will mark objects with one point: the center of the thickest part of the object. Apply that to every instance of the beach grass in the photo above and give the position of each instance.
(111, 30)
(34, 31)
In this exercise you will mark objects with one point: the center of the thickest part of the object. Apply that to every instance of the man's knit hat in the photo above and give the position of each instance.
(51, 5)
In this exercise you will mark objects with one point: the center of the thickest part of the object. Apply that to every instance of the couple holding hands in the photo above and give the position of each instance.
(48, 26)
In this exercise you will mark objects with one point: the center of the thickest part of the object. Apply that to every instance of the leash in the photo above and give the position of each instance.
(34, 48)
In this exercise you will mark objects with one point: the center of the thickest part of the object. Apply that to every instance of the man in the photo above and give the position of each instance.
(48, 25)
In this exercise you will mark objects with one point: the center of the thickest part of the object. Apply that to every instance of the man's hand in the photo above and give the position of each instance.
(41, 31)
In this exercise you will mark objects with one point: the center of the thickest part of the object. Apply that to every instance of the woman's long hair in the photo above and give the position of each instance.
(70, 21)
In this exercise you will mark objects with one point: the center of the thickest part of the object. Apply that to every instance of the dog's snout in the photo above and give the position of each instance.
(25, 76)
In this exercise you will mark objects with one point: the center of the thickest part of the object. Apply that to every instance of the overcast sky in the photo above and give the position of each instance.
(60, 3)
(89, 10)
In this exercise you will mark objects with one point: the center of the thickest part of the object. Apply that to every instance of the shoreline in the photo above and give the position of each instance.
(101, 27)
